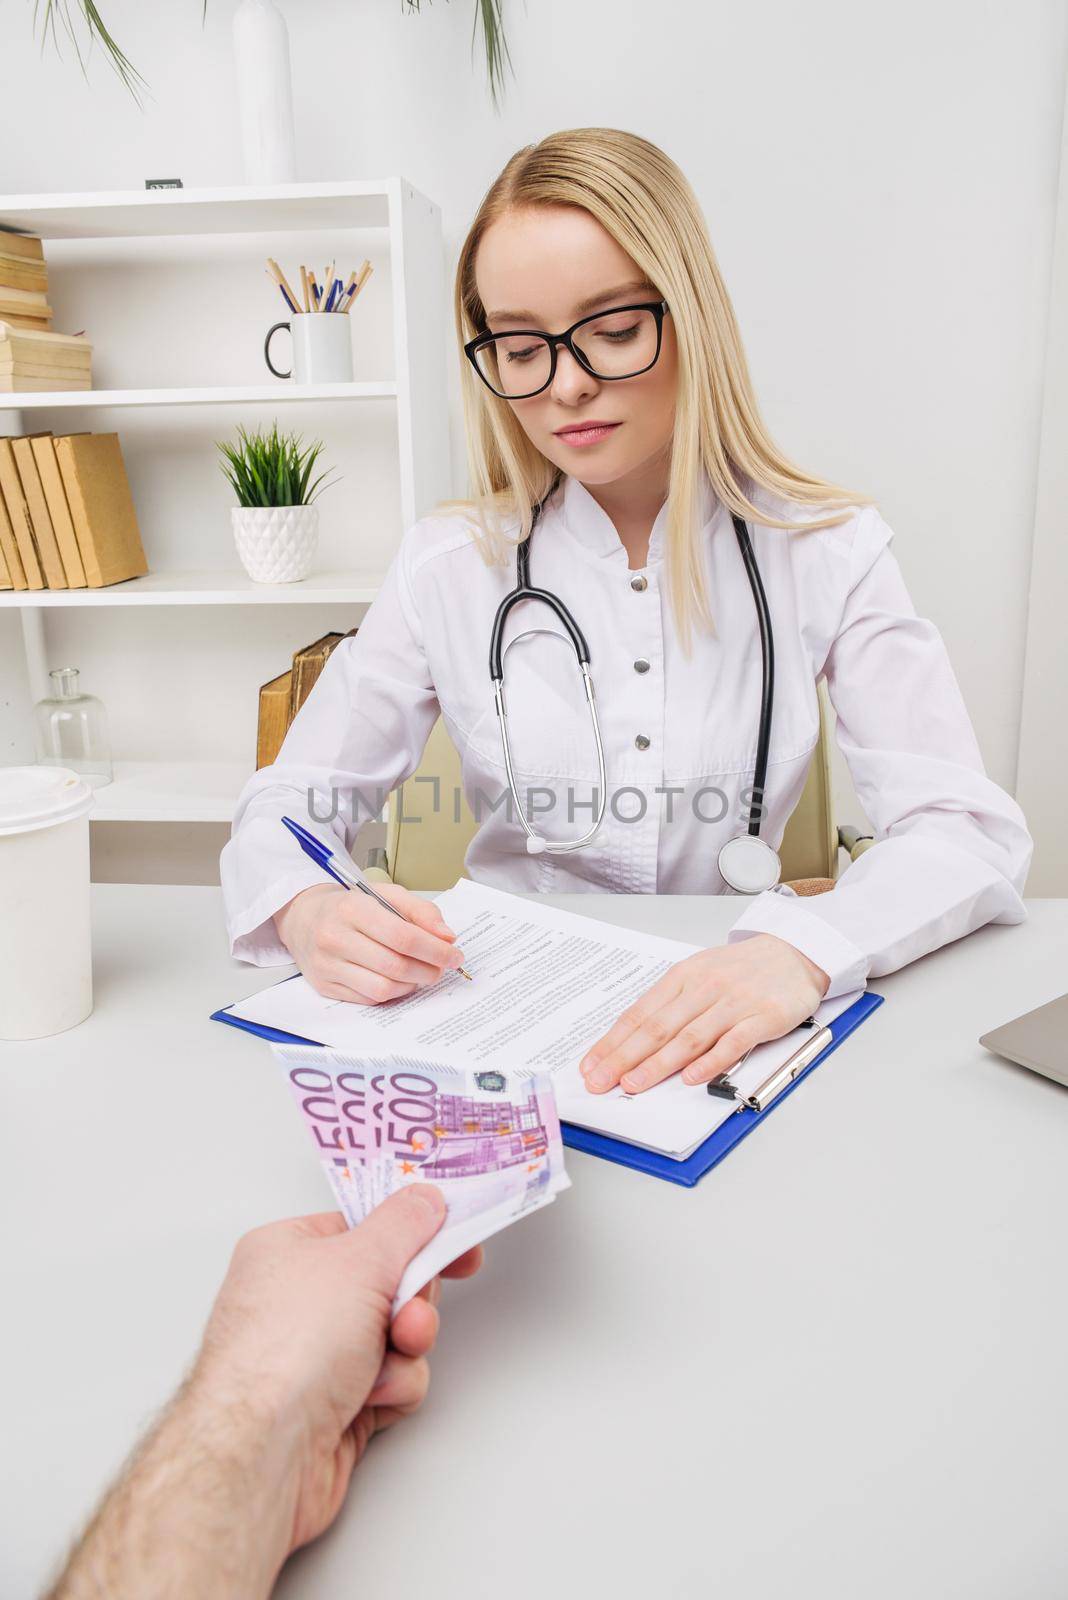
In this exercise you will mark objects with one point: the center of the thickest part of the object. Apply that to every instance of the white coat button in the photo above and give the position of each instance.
(641, 666)
(639, 584)
(641, 742)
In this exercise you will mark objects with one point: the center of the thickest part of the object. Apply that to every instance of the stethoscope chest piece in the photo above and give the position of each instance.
(749, 865)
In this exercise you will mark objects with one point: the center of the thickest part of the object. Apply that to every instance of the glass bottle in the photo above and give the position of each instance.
(71, 730)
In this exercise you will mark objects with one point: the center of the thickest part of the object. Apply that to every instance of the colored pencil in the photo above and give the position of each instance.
(290, 302)
(280, 278)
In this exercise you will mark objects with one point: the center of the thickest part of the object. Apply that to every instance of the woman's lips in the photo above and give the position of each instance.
(586, 436)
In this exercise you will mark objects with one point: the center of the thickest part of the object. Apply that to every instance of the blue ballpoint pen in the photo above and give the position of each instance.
(345, 872)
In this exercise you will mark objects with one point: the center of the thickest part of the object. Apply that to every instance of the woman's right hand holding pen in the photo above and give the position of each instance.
(350, 948)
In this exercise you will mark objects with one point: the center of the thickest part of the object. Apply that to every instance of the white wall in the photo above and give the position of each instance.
(880, 186)
(1042, 778)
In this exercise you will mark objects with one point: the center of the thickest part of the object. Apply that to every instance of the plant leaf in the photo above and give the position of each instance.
(97, 30)
(270, 468)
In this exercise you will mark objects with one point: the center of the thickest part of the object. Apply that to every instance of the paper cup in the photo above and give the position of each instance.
(46, 975)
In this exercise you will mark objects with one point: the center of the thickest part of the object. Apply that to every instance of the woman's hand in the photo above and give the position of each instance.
(351, 948)
(705, 1014)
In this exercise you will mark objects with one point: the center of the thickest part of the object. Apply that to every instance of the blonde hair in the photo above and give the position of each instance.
(643, 200)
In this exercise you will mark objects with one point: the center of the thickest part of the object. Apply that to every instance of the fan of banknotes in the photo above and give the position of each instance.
(489, 1140)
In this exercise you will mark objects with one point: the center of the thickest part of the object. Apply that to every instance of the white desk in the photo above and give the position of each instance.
(834, 1369)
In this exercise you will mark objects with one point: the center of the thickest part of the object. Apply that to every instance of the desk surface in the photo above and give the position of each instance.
(834, 1369)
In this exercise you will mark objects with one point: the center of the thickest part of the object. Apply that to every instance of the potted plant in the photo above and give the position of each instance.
(276, 526)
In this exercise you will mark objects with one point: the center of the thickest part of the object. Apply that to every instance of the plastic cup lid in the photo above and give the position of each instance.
(37, 797)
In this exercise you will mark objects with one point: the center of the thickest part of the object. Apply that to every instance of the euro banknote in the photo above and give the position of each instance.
(490, 1140)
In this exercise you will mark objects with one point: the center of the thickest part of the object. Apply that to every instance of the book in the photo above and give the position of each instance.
(282, 697)
(19, 516)
(35, 361)
(26, 246)
(42, 345)
(26, 324)
(5, 576)
(308, 664)
(16, 273)
(25, 303)
(274, 718)
(43, 533)
(28, 367)
(8, 545)
(101, 507)
(14, 383)
(44, 453)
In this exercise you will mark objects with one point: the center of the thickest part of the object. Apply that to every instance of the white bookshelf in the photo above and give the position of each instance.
(170, 791)
(169, 213)
(205, 589)
(250, 395)
(173, 279)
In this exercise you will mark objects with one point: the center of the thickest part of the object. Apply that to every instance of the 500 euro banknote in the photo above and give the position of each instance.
(490, 1140)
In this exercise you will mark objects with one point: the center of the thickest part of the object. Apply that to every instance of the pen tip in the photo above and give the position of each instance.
(464, 974)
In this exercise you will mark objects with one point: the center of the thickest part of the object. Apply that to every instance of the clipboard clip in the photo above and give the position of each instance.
(721, 1085)
(765, 1093)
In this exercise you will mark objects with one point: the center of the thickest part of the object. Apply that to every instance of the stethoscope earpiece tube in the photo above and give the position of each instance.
(525, 590)
(767, 695)
(746, 862)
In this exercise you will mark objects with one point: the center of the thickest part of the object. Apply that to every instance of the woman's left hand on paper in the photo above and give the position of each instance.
(705, 1013)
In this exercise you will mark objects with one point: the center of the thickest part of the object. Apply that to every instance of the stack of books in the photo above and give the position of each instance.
(24, 281)
(32, 361)
(67, 518)
(282, 698)
(32, 357)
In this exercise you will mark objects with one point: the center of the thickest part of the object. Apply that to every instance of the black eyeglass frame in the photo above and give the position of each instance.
(659, 308)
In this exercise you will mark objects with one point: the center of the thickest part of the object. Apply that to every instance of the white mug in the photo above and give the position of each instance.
(322, 347)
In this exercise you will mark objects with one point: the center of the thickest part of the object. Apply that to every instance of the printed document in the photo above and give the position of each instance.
(546, 985)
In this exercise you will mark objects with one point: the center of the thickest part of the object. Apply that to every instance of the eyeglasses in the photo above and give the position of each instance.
(619, 343)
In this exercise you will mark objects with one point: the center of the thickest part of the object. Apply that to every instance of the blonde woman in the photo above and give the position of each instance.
(616, 447)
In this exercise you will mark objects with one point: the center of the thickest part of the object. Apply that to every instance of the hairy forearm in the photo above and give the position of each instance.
(205, 1507)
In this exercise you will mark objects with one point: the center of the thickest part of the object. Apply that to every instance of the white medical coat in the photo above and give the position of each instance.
(952, 849)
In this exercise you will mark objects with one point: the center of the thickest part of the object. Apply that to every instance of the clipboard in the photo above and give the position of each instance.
(689, 1172)
(730, 1133)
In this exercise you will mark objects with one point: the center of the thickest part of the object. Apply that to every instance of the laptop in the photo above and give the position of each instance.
(1038, 1039)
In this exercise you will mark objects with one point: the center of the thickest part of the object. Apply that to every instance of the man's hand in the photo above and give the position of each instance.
(299, 1366)
(302, 1322)
(705, 1013)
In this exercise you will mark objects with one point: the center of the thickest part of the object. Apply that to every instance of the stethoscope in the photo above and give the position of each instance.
(746, 862)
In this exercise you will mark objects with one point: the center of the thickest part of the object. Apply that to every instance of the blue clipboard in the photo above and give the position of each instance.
(722, 1141)
(707, 1155)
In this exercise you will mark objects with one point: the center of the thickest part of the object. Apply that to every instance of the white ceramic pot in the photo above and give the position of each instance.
(276, 543)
